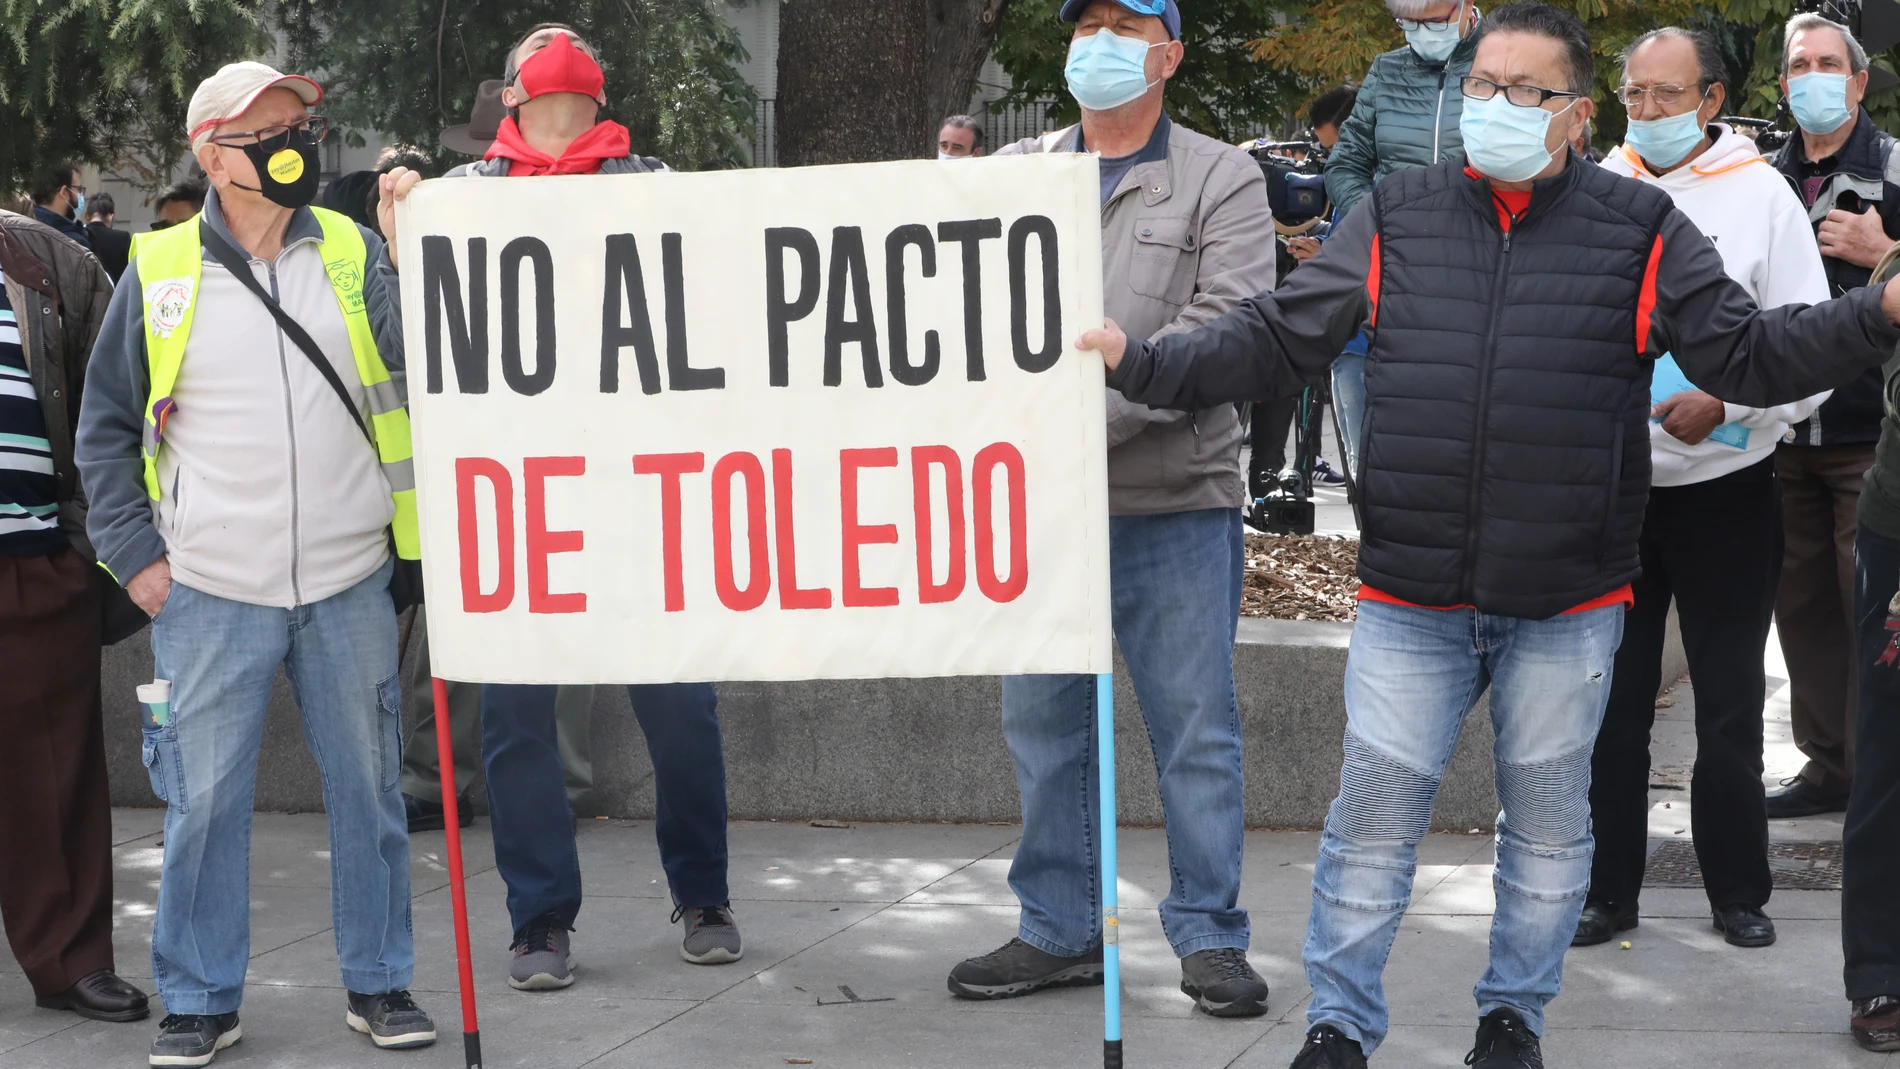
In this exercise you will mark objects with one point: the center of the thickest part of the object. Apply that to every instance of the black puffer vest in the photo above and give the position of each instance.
(1506, 438)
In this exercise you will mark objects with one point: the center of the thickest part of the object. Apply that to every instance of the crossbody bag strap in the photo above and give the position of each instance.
(239, 265)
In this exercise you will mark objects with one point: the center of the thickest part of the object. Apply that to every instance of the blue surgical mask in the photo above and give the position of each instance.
(1504, 141)
(1819, 102)
(79, 207)
(1665, 142)
(1435, 42)
(1106, 71)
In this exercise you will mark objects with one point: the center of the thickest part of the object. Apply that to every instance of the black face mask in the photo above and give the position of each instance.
(287, 173)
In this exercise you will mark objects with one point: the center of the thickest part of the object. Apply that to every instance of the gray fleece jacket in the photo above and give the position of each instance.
(271, 494)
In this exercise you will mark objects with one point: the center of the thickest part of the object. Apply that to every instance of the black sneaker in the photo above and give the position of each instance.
(1016, 968)
(1222, 984)
(1327, 1047)
(1324, 475)
(392, 1020)
(192, 1039)
(425, 815)
(1505, 1042)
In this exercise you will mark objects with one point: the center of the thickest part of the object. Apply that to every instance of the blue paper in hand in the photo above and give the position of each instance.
(1667, 380)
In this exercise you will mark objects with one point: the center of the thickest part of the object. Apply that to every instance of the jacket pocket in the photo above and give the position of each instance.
(1608, 535)
(1165, 254)
(178, 511)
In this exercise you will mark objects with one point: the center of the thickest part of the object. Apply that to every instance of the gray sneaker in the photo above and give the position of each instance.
(712, 936)
(190, 1040)
(544, 960)
(1016, 968)
(1222, 984)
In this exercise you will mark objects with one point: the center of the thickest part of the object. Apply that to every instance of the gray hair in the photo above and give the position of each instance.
(1708, 56)
(965, 122)
(1410, 9)
(1856, 55)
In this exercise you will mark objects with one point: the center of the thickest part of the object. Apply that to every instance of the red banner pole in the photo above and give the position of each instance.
(458, 894)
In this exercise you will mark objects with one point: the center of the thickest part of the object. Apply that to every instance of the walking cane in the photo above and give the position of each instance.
(1111, 922)
(458, 894)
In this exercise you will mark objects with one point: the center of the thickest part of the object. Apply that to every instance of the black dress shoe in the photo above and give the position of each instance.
(1600, 923)
(1876, 1022)
(427, 816)
(101, 996)
(1745, 926)
(1800, 798)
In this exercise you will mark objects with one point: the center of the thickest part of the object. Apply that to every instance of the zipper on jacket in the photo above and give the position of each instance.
(1489, 357)
(290, 429)
(1438, 119)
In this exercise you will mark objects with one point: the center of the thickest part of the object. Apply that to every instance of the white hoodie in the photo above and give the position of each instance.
(1767, 244)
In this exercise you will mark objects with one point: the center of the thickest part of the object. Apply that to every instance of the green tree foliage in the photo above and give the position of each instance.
(108, 81)
(1765, 20)
(409, 68)
(1219, 90)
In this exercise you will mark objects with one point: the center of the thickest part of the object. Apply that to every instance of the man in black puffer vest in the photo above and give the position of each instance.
(1515, 307)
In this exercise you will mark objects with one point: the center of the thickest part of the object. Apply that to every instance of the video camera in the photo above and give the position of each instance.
(1296, 185)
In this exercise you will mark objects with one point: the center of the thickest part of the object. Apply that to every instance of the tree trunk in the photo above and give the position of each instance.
(851, 81)
(961, 32)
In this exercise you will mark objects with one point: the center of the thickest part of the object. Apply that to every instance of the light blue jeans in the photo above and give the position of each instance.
(1175, 582)
(221, 656)
(1411, 678)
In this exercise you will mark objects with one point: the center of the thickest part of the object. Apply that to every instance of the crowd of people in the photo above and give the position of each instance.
(1591, 392)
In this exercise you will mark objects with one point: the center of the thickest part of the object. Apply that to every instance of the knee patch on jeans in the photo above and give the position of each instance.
(1379, 799)
(1547, 806)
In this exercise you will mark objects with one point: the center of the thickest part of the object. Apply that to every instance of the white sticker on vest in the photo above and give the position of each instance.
(166, 301)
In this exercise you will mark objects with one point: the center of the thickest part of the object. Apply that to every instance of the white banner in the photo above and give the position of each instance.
(810, 423)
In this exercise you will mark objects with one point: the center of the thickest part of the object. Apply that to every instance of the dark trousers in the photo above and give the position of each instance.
(533, 827)
(56, 838)
(1715, 548)
(1820, 493)
(1870, 889)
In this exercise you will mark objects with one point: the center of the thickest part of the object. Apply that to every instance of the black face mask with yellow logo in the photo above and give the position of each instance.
(286, 168)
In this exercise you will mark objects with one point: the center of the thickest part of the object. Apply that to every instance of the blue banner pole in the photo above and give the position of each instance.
(1111, 922)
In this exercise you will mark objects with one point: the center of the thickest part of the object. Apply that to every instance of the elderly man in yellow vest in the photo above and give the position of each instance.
(245, 448)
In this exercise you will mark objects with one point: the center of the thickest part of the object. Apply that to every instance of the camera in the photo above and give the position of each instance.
(1287, 507)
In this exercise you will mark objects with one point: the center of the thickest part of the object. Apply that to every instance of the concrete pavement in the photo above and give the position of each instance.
(884, 910)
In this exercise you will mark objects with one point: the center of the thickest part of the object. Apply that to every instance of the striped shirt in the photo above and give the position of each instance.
(29, 495)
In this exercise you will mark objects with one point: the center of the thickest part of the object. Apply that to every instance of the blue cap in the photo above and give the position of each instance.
(1166, 10)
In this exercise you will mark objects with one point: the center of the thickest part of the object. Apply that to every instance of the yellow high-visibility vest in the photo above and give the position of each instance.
(175, 257)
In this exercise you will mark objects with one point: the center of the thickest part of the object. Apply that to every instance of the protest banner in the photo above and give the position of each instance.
(760, 425)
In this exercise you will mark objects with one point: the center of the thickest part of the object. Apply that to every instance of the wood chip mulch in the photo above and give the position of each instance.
(1293, 577)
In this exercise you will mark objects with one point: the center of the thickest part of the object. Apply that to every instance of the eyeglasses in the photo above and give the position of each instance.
(1632, 95)
(276, 138)
(1419, 24)
(1524, 96)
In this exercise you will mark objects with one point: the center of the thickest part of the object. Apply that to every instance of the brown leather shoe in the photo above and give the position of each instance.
(102, 996)
(1877, 1022)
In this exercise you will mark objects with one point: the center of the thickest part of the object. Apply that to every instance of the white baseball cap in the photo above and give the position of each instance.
(224, 96)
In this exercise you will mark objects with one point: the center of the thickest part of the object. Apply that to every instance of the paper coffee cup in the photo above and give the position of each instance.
(158, 690)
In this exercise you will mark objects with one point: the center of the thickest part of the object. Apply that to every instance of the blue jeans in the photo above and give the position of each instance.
(533, 827)
(1175, 582)
(1411, 678)
(221, 656)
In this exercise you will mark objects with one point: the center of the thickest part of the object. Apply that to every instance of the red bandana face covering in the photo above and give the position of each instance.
(559, 67)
